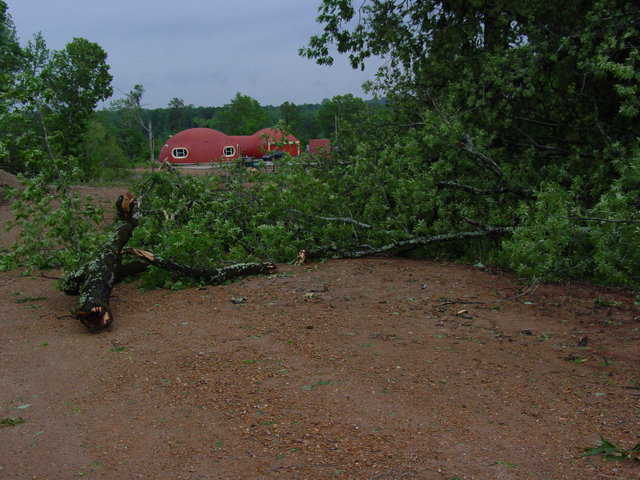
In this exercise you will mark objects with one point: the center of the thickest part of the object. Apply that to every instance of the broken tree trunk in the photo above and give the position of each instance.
(72, 282)
(210, 276)
(96, 278)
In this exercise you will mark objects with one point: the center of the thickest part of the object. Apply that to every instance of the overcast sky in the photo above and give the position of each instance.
(203, 51)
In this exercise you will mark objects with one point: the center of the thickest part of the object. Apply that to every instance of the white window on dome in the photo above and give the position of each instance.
(229, 151)
(180, 152)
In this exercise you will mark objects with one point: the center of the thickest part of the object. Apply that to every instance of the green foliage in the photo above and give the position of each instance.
(510, 114)
(46, 97)
(548, 245)
(10, 54)
(103, 158)
(218, 221)
(177, 115)
(243, 116)
(342, 119)
(134, 126)
(513, 113)
(57, 227)
(290, 116)
(12, 421)
(78, 78)
(609, 451)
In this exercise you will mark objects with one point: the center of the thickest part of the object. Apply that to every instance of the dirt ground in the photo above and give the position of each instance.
(361, 369)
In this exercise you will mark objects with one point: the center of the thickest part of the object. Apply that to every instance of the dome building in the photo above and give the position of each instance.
(205, 145)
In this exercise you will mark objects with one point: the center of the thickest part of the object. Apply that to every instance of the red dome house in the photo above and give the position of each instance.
(205, 145)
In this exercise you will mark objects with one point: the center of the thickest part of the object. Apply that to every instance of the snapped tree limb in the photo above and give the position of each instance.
(99, 275)
(211, 276)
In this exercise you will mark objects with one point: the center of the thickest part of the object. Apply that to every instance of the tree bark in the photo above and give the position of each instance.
(72, 282)
(210, 276)
(96, 278)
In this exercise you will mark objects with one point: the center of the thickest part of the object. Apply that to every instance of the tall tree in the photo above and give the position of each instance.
(519, 77)
(290, 115)
(10, 58)
(342, 118)
(243, 116)
(53, 95)
(9, 49)
(136, 117)
(521, 113)
(33, 94)
(177, 115)
(78, 78)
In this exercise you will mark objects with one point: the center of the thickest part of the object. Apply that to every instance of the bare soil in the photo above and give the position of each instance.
(358, 369)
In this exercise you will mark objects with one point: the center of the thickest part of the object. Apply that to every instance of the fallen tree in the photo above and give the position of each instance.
(94, 281)
(210, 229)
(115, 259)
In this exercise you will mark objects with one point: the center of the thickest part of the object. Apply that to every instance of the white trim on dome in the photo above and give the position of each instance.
(180, 152)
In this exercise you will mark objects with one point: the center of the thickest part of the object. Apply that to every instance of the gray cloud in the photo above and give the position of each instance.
(203, 52)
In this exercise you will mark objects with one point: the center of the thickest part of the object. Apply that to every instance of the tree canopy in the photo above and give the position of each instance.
(243, 116)
(9, 49)
(48, 96)
(518, 113)
(77, 78)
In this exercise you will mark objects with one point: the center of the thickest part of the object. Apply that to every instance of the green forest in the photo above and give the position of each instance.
(508, 134)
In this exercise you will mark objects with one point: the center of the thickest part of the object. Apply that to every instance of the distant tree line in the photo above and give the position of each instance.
(129, 122)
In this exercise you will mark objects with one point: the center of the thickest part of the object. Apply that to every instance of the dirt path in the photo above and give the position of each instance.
(366, 369)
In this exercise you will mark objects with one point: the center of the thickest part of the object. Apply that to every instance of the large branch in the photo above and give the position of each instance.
(404, 245)
(72, 282)
(99, 275)
(211, 276)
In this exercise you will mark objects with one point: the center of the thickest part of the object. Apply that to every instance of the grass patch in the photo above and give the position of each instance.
(609, 451)
(313, 386)
(29, 299)
(12, 421)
